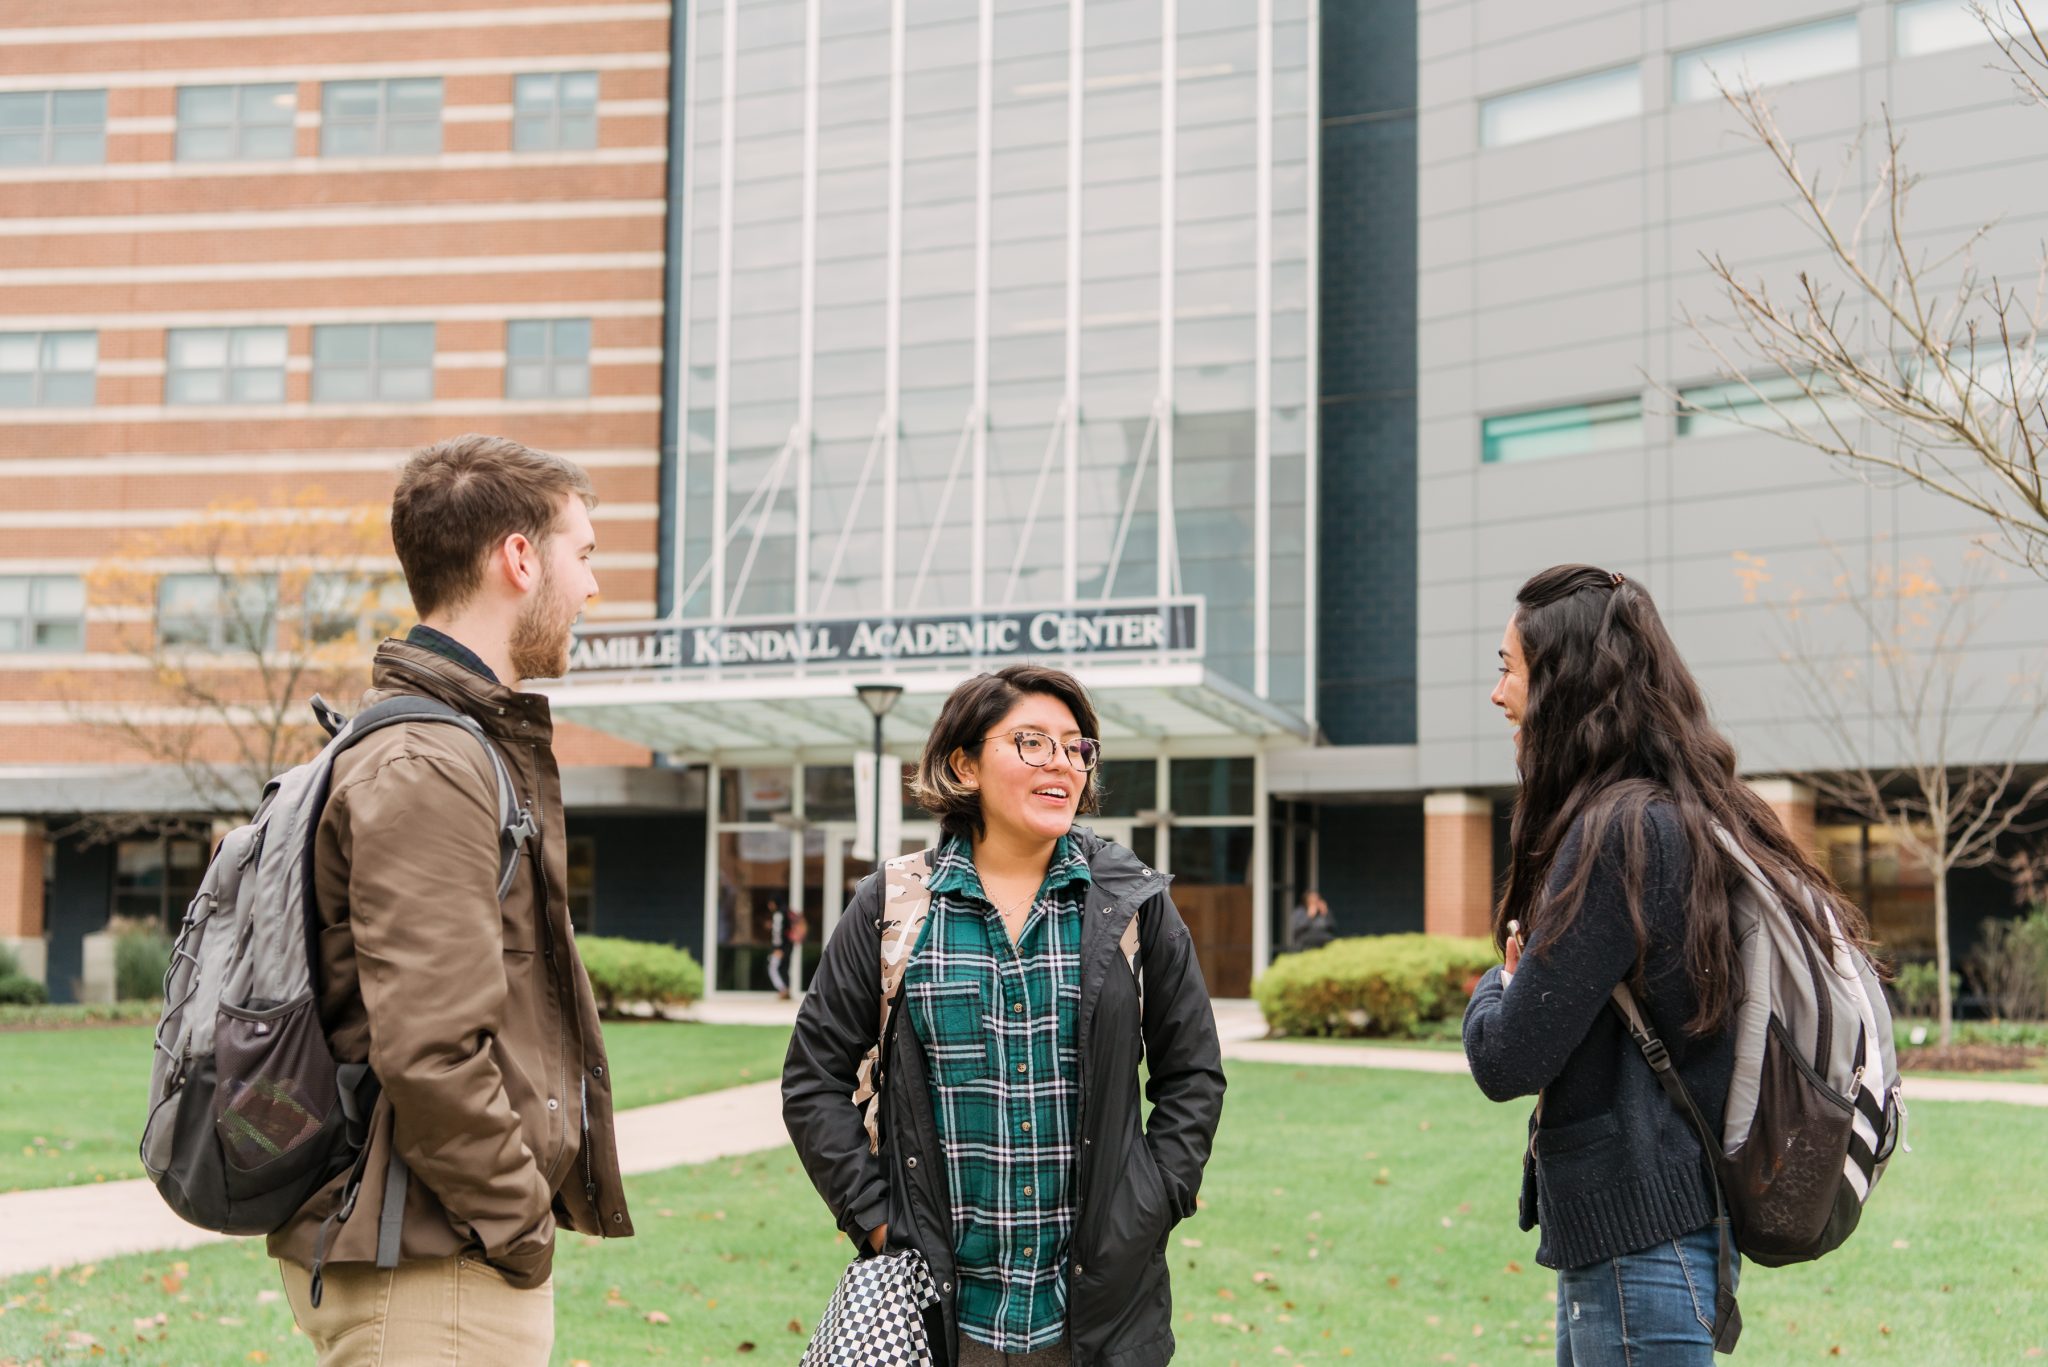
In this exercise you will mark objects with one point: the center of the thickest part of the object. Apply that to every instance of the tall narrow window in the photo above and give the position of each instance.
(48, 369)
(1788, 54)
(1561, 107)
(381, 118)
(1572, 430)
(547, 359)
(53, 127)
(554, 111)
(237, 122)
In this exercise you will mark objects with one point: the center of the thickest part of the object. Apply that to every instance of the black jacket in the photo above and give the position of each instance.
(1614, 1167)
(1134, 1184)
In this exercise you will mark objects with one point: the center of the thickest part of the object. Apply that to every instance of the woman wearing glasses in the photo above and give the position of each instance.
(1010, 1152)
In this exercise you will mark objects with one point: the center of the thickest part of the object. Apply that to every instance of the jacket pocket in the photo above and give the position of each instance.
(956, 1037)
(1579, 1154)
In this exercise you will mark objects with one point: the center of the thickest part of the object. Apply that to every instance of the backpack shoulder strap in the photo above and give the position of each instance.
(906, 901)
(516, 823)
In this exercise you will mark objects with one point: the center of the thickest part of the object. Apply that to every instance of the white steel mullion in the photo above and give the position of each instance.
(722, 423)
(1163, 799)
(807, 322)
(680, 334)
(1169, 153)
(712, 986)
(1262, 866)
(1312, 401)
(893, 361)
(984, 139)
(1262, 372)
(1070, 543)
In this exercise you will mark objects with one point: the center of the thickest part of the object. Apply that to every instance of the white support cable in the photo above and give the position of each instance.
(1262, 368)
(807, 316)
(893, 318)
(731, 531)
(722, 422)
(1052, 444)
(1169, 324)
(860, 493)
(1070, 499)
(772, 482)
(983, 193)
(1312, 402)
(1123, 526)
(931, 541)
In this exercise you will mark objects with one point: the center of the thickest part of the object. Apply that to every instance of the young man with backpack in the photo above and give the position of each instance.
(444, 959)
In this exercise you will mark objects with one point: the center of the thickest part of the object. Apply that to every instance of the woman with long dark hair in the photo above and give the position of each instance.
(1007, 1144)
(1617, 875)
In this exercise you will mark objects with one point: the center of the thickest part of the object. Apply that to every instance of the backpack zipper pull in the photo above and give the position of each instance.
(1899, 1100)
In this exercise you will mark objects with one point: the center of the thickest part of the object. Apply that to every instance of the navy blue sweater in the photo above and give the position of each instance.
(1614, 1167)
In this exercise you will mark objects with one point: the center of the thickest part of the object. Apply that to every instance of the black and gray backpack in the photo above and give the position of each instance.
(249, 1113)
(1815, 1106)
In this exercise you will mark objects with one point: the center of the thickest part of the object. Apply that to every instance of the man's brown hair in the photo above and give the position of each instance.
(459, 499)
(970, 710)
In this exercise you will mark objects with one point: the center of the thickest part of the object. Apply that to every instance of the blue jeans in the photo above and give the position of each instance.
(1652, 1308)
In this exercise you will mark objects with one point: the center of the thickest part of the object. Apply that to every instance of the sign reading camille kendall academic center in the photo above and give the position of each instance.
(1112, 630)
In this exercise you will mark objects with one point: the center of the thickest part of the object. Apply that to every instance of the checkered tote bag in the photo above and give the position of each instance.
(876, 1317)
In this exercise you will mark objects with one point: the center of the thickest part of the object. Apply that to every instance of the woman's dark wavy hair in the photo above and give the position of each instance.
(1613, 722)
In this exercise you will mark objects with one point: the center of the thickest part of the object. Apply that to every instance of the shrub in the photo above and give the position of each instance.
(1917, 986)
(1384, 985)
(142, 954)
(624, 971)
(2010, 967)
(19, 990)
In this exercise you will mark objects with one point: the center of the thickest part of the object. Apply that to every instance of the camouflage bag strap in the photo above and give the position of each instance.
(905, 901)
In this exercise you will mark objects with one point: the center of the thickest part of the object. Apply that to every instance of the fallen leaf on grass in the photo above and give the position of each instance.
(1514, 1267)
(1187, 1242)
(746, 1346)
(656, 1317)
(267, 1297)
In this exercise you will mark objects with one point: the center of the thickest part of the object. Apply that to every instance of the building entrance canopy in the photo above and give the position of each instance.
(741, 688)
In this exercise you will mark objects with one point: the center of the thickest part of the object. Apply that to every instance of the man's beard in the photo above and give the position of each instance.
(541, 639)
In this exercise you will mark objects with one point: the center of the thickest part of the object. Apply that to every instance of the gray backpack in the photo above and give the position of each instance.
(249, 1113)
(1814, 1108)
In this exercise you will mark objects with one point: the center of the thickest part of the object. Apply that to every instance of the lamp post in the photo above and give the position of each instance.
(878, 698)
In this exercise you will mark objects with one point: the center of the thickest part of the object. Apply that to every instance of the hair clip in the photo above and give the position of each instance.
(1617, 580)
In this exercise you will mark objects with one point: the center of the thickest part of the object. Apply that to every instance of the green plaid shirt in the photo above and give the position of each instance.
(998, 1022)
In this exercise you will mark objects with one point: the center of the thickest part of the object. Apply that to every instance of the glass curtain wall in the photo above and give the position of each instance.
(1003, 302)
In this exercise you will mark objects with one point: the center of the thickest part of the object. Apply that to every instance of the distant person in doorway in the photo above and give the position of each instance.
(1615, 874)
(1310, 926)
(787, 931)
(1012, 1150)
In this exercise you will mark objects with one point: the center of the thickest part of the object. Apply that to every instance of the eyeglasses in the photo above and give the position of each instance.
(1036, 749)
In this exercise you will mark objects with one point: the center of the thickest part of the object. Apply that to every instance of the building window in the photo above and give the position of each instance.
(1790, 54)
(48, 369)
(373, 362)
(1711, 410)
(381, 118)
(156, 878)
(583, 884)
(53, 128)
(364, 608)
(42, 612)
(554, 111)
(1926, 26)
(1570, 431)
(1561, 107)
(225, 365)
(217, 612)
(237, 122)
(547, 359)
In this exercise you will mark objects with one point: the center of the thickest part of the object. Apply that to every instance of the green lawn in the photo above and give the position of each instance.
(72, 1102)
(1351, 1215)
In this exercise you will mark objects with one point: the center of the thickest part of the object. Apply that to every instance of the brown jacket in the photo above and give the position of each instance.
(476, 1016)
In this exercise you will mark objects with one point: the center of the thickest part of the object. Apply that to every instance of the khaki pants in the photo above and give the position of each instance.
(443, 1312)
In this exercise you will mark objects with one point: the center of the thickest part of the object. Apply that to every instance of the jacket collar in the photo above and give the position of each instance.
(400, 667)
(1118, 874)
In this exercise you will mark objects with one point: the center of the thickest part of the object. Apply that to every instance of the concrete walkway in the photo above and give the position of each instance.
(64, 1226)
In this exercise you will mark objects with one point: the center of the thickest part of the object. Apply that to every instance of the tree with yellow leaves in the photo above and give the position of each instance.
(230, 623)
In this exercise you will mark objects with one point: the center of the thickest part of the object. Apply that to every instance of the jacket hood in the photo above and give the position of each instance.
(1117, 871)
